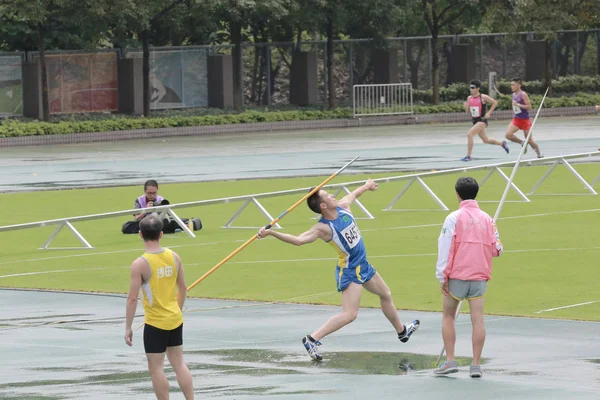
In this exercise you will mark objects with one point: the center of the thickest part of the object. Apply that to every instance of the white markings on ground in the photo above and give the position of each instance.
(570, 306)
(309, 259)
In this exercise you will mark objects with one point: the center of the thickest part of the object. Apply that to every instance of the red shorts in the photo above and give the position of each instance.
(523, 124)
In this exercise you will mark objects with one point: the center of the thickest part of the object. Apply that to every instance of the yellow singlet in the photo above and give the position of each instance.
(160, 291)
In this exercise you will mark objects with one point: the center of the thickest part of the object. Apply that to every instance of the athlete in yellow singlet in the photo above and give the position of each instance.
(158, 273)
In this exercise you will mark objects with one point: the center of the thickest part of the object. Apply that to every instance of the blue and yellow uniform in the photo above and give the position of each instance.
(352, 265)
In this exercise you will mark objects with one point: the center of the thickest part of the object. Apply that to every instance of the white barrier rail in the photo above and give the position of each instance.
(382, 99)
(341, 187)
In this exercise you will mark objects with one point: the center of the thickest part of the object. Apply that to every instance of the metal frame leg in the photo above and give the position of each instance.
(586, 185)
(241, 209)
(595, 181)
(512, 184)
(181, 224)
(79, 236)
(554, 165)
(237, 214)
(433, 196)
(583, 181)
(359, 204)
(427, 189)
(489, 174)
(389, 208)
(265, 212)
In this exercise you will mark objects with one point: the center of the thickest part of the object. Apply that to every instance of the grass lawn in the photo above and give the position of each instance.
(550, 260)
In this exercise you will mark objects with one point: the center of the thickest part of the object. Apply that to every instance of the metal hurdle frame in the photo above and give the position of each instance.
(341, 187)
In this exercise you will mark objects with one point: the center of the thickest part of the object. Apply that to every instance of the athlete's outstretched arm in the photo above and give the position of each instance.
(134, 289)
(349, 199)
(314, 233)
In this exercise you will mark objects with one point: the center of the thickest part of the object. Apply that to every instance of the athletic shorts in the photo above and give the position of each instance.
(461, 290)
(361, 274)
(523, 124)
(476, 120)
(157, 340)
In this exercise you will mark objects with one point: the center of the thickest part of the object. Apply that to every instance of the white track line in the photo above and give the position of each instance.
(311, 259)
(503, 218)
(116, 252)
(58, 271)
(241, 241)
(571, 306)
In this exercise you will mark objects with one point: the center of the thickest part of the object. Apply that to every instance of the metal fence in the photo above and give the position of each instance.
(83, 82)
(382, 99)
(178, 76)
(11, 86)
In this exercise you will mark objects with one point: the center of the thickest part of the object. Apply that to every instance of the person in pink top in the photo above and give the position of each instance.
(468, 242)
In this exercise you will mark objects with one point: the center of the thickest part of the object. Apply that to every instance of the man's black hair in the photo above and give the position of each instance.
(151, 227)
(314, 201)
(467, 188)
(150, 182)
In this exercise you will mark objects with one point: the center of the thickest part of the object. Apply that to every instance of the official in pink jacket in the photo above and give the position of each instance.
(468, 242)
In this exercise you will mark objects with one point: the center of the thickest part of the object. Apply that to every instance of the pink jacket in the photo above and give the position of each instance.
(467, 243)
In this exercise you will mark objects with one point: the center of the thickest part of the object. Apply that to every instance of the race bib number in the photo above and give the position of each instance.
(516, 109)
(475, 111)
(352, 235)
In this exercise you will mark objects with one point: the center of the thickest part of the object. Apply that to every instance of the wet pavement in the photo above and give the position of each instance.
(277, 154)
(70, 346)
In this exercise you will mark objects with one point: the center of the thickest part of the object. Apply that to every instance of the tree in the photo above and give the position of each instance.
(376, 20)
(49, 18)
(547, 17)
(235, 16)
(439, 15)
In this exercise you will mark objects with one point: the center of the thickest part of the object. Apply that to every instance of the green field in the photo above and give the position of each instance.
(549, 261)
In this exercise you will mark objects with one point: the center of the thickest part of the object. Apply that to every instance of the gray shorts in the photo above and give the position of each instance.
(461, 290)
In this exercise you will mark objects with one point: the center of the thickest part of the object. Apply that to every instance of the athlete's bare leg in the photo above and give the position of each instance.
(510, 134)
(350, 304)
(475, 130)
(377, 286)
(531, 142)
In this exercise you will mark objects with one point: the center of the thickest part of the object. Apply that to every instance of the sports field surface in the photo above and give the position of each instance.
(248, 347)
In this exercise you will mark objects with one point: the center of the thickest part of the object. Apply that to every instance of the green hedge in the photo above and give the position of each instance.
(11, 128)
(567, 85)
